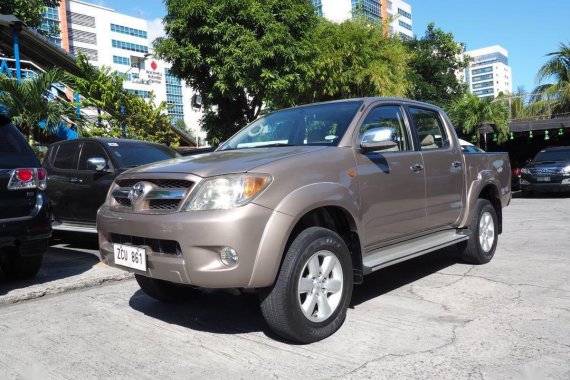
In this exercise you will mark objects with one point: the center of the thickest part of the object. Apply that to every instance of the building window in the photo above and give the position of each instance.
(404, 36)
(484, 92)
(483, 70)
(483, 84)
(174, 98)
(129, 31)
(404, 25)
(141, 93)
(121, 60)
(318, 7)
(50, 25)
(482, 77)
(404, 13)
(51, 13)
(129, 46)
(367, 8)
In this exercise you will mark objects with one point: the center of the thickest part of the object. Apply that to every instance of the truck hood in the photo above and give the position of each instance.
(225, 162)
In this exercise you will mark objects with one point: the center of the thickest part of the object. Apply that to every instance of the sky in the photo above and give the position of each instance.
(528, 29)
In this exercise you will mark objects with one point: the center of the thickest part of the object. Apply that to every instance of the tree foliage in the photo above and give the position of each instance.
(356, 59)
(554, 97)
(29, 11)
(28, 103)
(238, 54)
(469, 113)
(433, 69)
(103, 90)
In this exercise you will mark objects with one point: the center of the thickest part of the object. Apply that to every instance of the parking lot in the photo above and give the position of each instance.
(428, 318)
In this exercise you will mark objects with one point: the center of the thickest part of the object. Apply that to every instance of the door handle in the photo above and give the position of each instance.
(75, 180)
(416, 168)
(457, 164)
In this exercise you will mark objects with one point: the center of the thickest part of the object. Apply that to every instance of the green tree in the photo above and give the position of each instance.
(29, 11)
(356, 59)
(239, 54)
(554, 97)
(437, 60)
(470, 113)
(102, 89)
(28, 103)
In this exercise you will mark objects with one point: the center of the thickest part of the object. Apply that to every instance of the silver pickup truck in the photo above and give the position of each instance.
(302, 204)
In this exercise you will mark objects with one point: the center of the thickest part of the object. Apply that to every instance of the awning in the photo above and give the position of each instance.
(34, 46)
(539, 125)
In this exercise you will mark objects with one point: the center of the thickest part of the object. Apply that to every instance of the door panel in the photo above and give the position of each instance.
(61, 169)
(392, 194)
(443, 167)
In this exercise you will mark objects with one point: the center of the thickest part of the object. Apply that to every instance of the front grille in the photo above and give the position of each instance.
(544, 171)
(162, 183)
(164, 204)
(125, 202)
(167, 247)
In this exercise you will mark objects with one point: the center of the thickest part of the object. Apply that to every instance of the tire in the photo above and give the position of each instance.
(298, 284)
(480, 248)
(19, 267)
(161, 290)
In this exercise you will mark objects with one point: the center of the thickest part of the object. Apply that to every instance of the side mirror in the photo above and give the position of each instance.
(96, 163)
(378, 139)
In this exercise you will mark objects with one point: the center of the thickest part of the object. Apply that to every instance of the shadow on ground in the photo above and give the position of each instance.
(223, 313)
(68, 255)
(542, 195)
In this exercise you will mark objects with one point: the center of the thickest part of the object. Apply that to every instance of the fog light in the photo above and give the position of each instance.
(228, 256)
(524, 182)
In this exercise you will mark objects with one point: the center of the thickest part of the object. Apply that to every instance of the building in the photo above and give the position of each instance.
(121, 42)
(398, 11)
(489, 73)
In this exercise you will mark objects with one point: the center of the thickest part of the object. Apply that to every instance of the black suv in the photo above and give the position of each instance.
(548, 171)
(24, 209)
(81, 171)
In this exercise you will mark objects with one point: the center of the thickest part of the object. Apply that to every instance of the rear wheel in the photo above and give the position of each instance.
(310, 297)
(17, 266)
(161, 290)
(480, 248)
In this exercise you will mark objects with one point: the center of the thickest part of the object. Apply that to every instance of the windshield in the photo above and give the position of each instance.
(553, 155)
(14, 150)
(131, 154)
(320, 124)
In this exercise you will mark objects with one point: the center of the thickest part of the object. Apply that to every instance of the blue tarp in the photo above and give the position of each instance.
(62, 131)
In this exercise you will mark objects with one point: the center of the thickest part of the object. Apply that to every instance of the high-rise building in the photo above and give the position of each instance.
(398, 11)
(489, 73)
(122, 42)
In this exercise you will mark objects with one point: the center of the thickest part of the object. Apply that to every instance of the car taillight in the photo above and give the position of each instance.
(28, 179)
(517, 171)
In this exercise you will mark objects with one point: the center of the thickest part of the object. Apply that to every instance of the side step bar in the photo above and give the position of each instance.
(73, 228)
(396, 253)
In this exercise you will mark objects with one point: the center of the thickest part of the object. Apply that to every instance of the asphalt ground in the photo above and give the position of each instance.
(431, 317)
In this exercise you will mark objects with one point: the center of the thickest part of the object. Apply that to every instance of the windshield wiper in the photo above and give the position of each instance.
(271, 145)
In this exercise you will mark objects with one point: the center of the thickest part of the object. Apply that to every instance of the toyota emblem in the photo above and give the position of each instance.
(137, 191)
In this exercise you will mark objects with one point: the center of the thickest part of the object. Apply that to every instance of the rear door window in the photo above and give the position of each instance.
(429, 127)
(65, 157)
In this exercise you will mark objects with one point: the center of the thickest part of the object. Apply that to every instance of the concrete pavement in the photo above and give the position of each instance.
(428, 318)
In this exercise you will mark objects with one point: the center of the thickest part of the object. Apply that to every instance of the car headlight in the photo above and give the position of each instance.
(565, 170)
(525, 171)
(227, 191)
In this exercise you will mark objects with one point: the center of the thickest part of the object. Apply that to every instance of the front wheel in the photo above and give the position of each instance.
(18, 264)
(480, 248)
(310, 297)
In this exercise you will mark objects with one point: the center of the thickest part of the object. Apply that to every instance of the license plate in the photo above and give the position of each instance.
(129, 256)
(543, 179)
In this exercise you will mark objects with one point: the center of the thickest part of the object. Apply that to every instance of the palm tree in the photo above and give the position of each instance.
(470, 113)
(554, 97)
(27, 103)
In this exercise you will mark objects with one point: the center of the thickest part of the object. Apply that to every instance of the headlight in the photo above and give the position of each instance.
(525, 171)
(228, 191)
(566, 170)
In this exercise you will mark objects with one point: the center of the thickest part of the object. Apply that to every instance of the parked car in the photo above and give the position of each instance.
(81, 171)
(302, 203)
(549, 170)
(24, 207)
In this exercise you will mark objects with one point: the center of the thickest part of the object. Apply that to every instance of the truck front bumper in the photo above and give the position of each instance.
(184, 247)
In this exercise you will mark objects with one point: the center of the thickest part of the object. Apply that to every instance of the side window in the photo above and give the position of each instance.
(388, 117)
(430, 129)
(90, 150)
(65, 156)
